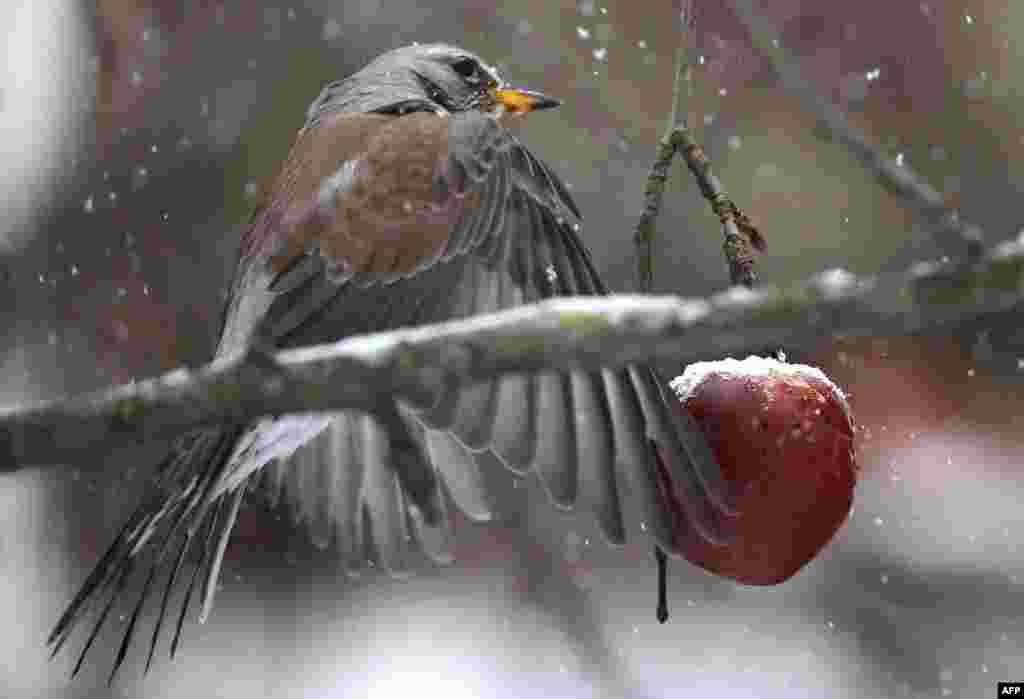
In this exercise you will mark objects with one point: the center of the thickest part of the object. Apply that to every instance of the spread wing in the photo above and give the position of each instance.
(513, 239)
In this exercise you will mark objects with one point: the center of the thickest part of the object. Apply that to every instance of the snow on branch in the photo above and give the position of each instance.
(414, 364)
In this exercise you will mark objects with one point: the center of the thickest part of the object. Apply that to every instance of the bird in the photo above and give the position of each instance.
(406, 199)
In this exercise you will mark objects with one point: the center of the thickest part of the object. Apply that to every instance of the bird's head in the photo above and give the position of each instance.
(428, 77)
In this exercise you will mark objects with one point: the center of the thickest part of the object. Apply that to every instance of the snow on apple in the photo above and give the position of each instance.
(783, 434)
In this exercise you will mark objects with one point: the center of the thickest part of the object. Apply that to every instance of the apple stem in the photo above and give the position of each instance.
(662, 560)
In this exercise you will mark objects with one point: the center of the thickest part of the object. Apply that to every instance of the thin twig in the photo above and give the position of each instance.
(682, 91)
(654, 192)
(742, 239)
(654, 188)
(956, 237)
(587, 332)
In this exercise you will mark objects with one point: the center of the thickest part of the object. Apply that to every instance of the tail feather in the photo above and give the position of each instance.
(122, 578)
(182, 499)
(225, 526)
(123, 650)
(98, 580)
(210, 524)
(179, 560)
(171, 579)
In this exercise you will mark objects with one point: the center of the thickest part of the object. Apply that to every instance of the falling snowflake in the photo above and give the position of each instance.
(139, 177)
(332, 29)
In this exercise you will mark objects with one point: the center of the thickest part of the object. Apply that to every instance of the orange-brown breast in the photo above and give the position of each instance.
(381, 222)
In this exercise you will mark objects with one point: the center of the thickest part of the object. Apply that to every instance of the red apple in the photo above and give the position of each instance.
(783, 435)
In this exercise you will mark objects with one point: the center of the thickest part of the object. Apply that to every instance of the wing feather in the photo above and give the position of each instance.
(518, 243)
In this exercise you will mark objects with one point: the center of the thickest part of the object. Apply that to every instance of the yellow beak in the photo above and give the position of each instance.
(518, 101)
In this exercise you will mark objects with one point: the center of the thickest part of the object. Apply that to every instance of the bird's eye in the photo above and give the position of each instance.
(466, 67)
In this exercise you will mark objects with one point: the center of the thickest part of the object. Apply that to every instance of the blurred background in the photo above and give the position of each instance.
(136, 134)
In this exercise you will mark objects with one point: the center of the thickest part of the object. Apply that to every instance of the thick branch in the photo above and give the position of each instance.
(587, 331)
(646, 227)
(955, 236)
